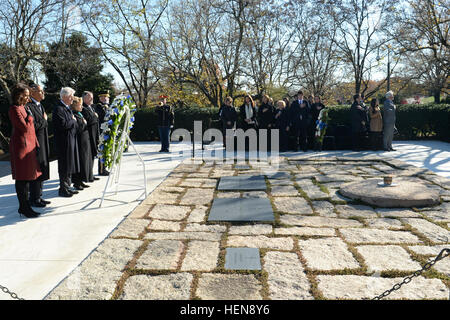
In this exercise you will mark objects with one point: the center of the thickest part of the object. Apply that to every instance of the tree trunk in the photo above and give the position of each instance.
(437, 95)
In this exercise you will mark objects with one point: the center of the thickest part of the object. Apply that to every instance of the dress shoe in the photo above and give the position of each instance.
(37, 203)
(44, 201)
(65, 193)
(84, 185)
(95, 178)
(392, 149)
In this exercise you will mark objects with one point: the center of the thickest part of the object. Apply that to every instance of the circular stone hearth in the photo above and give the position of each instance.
(406, 193)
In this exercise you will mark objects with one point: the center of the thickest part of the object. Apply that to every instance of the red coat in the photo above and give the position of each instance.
(23, 145)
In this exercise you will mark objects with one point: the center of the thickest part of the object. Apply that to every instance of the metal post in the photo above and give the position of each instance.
(389, 71)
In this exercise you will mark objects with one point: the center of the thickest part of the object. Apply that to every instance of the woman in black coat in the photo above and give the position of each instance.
(282, 122)
(84, 147)
(266, 114)
(228, 116)
(248, 113)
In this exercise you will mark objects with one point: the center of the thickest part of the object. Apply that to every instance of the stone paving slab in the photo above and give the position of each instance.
(206, 236)
(313, 221)
(363, 287)
(306, 231)
(287, 279)
(201, 256)
(197, 196)
(387, 258)
(228, 287)
(256, 229)
(175, 286)
(429, 230)
(292, 205)
(163, 225)
(324, 209)
(357, 235)
(161, 255)
(384, 223)
(327, 254)
(397, 213)
(261, 242)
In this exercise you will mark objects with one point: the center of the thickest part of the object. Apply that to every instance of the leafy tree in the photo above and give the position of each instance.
(76, 64)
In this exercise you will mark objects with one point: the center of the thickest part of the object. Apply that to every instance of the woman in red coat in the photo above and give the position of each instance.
(23, 148)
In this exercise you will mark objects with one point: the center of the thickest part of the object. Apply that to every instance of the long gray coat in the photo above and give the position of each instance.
(389, 113)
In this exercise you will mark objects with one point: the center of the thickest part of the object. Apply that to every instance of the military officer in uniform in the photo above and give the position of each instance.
(165, 122)
(100, 109)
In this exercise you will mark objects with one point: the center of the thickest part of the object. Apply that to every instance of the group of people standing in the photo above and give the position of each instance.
(372, 124)
(296, 119)
(76, 123)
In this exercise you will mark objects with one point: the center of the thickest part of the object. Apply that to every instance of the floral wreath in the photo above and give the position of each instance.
(113, 127)
(321, 124)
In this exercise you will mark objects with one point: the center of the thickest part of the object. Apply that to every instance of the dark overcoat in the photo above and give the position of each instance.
(358, 118)
(41, 127)
(65, 133)
(300, 118)
(84, 147)
(243, 124)
(23, 145)
(93, 128)
(228, 114)
(266, 115)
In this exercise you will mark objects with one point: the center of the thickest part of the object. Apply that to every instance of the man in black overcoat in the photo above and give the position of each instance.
(300, 117)
(358, 120)
(65, 130)
(101, 108)
(41, 126)
(93, 128)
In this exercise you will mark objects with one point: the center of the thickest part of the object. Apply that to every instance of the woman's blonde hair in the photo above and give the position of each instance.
(76, 101)
(281, 103)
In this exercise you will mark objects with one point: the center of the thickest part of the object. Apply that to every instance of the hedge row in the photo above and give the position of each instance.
(413, 121)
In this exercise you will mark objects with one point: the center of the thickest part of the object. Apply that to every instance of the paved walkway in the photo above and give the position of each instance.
(36, 254)
(320, 245)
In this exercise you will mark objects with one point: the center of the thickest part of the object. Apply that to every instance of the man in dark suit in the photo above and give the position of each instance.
(41, 126)
(101, 108)
(91, 117)
(300, 117)
(358, 120)
(65, 130)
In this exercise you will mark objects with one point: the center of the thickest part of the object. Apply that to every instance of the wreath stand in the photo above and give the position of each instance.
(114, 174)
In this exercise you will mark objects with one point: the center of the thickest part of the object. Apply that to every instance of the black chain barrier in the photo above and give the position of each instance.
(12, 294)
(444, 253)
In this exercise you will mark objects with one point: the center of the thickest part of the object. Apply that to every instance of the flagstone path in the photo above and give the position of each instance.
(321, 245)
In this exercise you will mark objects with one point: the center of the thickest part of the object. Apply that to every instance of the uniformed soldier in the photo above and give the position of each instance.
(100, 109)
(166, 119)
